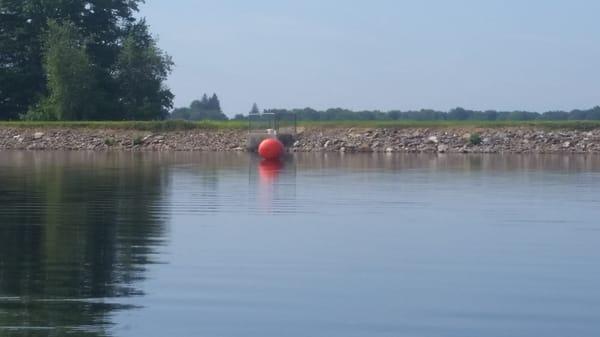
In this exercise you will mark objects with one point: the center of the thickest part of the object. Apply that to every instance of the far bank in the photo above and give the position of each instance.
(456, 138)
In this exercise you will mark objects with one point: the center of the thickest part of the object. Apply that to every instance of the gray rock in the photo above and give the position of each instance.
(432, 140)
(410, 140)
(365, 148)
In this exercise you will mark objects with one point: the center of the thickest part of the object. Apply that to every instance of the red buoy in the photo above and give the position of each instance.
(271, 149)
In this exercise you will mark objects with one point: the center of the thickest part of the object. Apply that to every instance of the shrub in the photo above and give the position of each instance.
(138, 140)
(475, 139)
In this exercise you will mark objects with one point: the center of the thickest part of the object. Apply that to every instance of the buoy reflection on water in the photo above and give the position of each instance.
(269, 170)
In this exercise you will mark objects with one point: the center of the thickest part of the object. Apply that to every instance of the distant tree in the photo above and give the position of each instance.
(556, 115)
(490, 115)
(204, 109)
(577, 115)
(182, 113)
(459, 114)
(254, 110)
(522, 116)
(71, 81)
(594, 113)
(142, 70)
(428, 114)
(239, 117)
(214, 104)
(337, 114)
(197, 105)
(204, 101)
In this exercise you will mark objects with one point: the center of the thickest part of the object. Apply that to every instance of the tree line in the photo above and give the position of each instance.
(457, 114)
(204, 109)
(80, 60)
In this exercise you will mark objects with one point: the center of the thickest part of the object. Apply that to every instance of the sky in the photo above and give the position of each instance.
(534, 55)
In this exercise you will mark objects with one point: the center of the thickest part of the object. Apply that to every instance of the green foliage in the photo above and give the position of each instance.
(475, 139)
(100, 48)
(109, 142)
(21, 73)
(43, 111)
(205, 109)
(142, 70)
(71, 80)
(138, 140)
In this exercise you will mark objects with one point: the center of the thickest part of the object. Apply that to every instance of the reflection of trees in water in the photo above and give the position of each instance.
(71, 236)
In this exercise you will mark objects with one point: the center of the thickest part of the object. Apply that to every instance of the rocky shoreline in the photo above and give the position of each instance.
(345, 140)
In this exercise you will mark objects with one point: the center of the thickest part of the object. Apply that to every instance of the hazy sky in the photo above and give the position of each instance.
(383, 54)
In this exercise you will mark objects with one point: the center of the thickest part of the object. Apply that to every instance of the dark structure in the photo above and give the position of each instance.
(261, 126)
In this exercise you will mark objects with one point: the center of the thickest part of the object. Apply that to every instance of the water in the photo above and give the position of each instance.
(327, 245)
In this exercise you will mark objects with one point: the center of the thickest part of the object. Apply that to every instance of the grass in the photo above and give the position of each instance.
(161, 126)
(575, 125)
(156, 126)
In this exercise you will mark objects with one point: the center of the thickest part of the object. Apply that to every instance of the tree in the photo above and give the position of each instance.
(23, 24)
(205, 109)
(71, 82)
(594, 113)
(556, 115)
(181, 113)
(458, 114)
(255, 110)
(490, 115)
(204, 101)
(213, 103)
(142, 69)
(21, 72)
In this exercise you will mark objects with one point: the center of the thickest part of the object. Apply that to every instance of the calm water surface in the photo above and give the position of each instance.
(327, 245)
